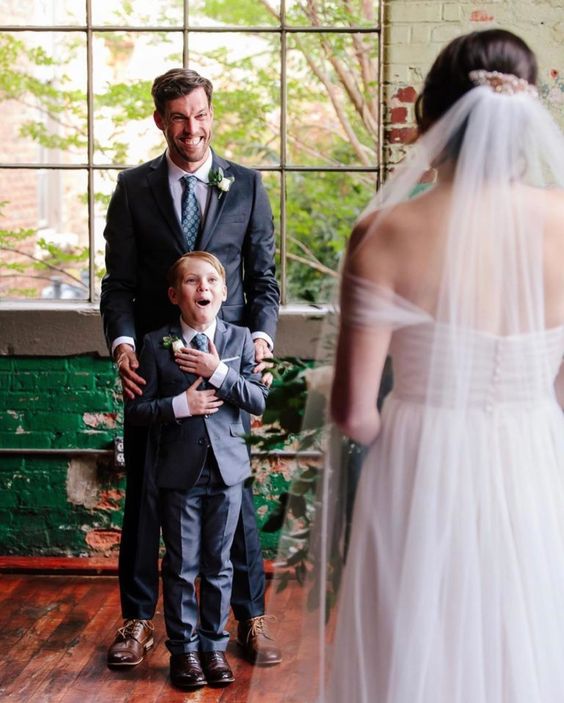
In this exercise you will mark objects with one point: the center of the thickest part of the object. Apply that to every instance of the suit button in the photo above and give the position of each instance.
(201, 441)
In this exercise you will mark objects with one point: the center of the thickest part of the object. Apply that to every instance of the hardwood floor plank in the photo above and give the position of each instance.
(57, 629)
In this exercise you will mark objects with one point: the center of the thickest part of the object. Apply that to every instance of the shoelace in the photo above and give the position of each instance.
(133, 629)
(258, 626)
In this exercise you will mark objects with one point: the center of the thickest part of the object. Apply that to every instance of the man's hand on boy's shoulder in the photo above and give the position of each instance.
(202, 402)
(262, 353)
(197, 362)
(127, 363)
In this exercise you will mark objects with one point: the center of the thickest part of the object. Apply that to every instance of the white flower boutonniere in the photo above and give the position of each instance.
(216, 178)
(172, 342)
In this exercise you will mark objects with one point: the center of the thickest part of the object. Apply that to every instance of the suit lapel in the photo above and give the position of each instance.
(220, 339)
(176, 331)
(158, 182)
(215, 203)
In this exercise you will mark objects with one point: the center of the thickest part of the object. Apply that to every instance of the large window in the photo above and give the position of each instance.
(297, 88)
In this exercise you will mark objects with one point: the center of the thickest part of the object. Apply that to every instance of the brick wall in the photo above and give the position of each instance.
(415, 31)
(72, 505)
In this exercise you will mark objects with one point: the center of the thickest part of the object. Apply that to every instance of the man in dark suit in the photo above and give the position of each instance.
(188, 198)
(198, 460)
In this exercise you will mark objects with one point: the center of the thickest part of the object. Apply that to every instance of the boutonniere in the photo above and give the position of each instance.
(217, 179)
(171, 341)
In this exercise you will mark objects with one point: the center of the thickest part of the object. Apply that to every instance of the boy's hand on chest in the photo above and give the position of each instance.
(197, 362)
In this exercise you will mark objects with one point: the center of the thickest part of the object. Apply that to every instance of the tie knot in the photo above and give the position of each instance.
(189, 182)
(200, 341)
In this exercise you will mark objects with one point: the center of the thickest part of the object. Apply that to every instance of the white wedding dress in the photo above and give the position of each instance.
(454, 582)
(450, 588)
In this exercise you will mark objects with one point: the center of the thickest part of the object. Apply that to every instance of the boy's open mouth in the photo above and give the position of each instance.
(202, 303)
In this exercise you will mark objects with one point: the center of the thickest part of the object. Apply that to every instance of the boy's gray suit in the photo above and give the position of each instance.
(198, 524)
(178, 448)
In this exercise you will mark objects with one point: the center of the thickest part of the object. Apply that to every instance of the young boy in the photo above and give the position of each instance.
(198, 460)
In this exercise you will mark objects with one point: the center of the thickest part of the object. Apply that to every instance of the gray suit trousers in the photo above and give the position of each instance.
(198, 528)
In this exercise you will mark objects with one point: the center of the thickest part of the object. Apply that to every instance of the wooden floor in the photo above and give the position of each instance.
(54, 633)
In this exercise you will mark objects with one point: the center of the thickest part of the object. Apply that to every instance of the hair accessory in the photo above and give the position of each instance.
(503, 83)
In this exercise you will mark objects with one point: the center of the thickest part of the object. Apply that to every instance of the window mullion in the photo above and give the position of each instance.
(90, 152)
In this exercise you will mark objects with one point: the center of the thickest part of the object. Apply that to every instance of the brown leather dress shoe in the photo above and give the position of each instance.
(130, 643)
(257, 644)
(218, 671)
(186, 671)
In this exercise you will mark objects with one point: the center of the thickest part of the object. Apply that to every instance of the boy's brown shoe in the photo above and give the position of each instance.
(130, 643)
(186, 671)
(217, 670)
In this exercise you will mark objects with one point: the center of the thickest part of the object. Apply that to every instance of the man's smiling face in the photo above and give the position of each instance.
(187, 127)
(199, 293)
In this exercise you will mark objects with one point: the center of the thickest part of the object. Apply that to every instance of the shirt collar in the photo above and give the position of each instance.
(202, 174)
(189, 332)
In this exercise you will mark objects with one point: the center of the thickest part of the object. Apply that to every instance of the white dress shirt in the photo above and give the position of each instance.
(180, 404)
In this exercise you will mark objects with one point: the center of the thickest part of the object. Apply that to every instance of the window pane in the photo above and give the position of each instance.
(332, 13)
(242, 13)
(43, 97)
(271, 181)
(332, 99)
(124, 131)
(44, 234)
(321, 210)
(160, 13)
(104, 185)
(40, 12)
(245, 71)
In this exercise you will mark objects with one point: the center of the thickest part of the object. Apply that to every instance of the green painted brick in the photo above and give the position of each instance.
(40, 363)
(42, 497)
(80, 380)
(6, 363)
(53, 421)
(11, 420)
(25, 440)
(96, 439)
(10, 463)
(25, 401)
(88, 363)
(8, 498)
(65, 440)
(38, 381)
(108, 381)
(6, 381)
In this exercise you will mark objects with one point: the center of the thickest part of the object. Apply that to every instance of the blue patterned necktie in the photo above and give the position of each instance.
(190, 212)
(200, 342)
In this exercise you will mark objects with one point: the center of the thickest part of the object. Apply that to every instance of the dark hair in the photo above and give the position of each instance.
(448, 80)
(175, 83)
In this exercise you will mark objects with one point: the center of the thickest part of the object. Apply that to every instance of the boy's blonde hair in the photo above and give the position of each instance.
(175, 272)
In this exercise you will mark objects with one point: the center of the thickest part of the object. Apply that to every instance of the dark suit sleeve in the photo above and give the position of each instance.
(119, 285)
(244, 388)
(259, 280)
(149, 409)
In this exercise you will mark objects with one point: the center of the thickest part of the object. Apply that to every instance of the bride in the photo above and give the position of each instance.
(453, 589)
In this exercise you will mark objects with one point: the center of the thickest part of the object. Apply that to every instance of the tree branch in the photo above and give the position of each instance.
(47, 265)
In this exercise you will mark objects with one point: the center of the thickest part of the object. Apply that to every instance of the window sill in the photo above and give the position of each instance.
(65, 329)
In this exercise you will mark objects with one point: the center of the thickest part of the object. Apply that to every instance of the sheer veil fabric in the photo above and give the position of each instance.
(452, 583)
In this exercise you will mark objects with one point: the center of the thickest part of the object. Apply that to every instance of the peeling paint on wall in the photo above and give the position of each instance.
(82, 482)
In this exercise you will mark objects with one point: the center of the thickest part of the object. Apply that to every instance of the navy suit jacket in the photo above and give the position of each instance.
(144, 238)
(177, 449)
